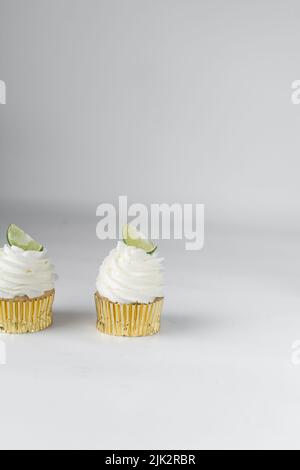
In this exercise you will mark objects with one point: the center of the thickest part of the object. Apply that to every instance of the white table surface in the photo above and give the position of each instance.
(219, 375)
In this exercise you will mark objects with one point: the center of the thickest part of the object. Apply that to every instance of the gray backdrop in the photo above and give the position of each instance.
(163, 101)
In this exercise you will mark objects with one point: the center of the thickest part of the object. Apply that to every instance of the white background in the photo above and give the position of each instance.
(163, 101)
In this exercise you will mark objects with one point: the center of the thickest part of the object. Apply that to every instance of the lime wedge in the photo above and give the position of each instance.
(17, 237)
(132, 237)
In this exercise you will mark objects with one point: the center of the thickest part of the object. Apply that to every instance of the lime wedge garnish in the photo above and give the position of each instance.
(17, 237)
(132, 237)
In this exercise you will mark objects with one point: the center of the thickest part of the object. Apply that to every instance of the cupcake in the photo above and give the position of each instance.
(129, 297)
(26, 284)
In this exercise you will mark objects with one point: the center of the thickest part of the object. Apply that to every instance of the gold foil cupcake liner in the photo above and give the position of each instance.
(24, 315)
(128, 319)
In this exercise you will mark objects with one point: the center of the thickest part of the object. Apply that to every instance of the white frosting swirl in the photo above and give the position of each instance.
(129, 275)
(25, 273)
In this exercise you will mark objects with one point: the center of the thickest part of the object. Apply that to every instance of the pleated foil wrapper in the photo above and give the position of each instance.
(128, 319)
(24, 315)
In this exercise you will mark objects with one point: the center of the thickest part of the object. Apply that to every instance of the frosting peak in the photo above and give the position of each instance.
(130, 275)
(25, 273)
